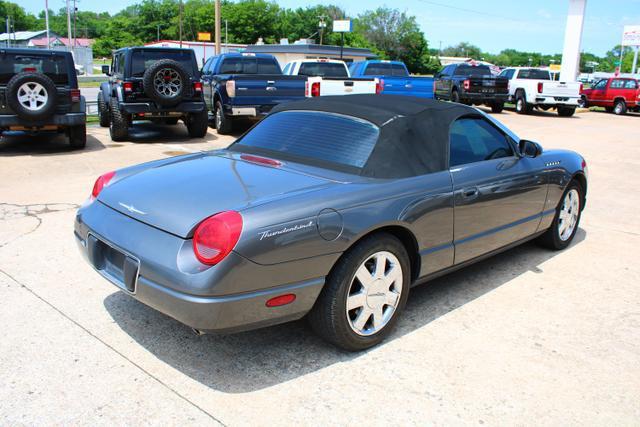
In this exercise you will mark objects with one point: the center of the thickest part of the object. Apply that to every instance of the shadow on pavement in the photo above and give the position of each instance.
(258, 359)
(147, 132)
(42, 144)
(541, 113)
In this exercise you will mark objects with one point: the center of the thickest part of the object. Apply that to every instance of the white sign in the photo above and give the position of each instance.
(342, 26)
(631, 35)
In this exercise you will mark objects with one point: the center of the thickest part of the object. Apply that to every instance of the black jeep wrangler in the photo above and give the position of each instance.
(149, 83)
(39, 92)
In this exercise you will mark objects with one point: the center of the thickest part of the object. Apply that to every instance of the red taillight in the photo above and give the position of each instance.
(261, 160)
(197, 87)
(315, 89)
(379, 86)
(466, 84)
(29, 70)
(127, 86)
(540, 87)
(101, 182)
(216, 236)
(281, 300)
(75, 95)
(581, 87)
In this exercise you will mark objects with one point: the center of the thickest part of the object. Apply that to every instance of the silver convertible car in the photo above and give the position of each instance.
(330, 208)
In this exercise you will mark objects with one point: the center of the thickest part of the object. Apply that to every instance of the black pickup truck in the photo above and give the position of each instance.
(149, 83)
(39, 93)
(471, 84)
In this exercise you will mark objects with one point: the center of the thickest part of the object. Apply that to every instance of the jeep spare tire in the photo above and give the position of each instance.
(166, 82)
(32, 96)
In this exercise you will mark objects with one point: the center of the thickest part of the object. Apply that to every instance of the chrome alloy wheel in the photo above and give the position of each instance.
(167, 82)
(219, 114)
(374, 293)
(569, 212)
(520, 104)
(32, 96)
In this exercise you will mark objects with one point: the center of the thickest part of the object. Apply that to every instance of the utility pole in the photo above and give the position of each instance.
(321, 26)
(180, 23)
(46, 20)
(226, 34)
(75, 9)
(68, 23)
(158, 33)
(8, 33)
(217, 29)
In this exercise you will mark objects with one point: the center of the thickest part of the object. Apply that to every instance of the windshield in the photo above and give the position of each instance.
(323, 69)
(534, 74)
(53, 66)
(249, 65)
(312, 137)
(385, 69)
(472, 70)
(142, 59)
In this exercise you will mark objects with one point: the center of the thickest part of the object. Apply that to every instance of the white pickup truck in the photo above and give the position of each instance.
(330, 77)
(531, 88)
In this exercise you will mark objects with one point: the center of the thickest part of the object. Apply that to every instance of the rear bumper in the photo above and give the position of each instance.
(152, 108)
(60, 120)
(563, 101)
(248, 111)
(484, 98)
(216, 299)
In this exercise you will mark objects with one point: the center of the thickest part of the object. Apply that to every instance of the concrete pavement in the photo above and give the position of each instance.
(527, 337)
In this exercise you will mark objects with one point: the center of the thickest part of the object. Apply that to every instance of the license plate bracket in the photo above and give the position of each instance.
(117, 266)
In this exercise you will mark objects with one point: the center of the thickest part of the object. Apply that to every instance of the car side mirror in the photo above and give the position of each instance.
(106, 70)
(530, 148)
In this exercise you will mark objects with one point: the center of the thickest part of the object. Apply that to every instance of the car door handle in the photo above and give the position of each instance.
(470, 193)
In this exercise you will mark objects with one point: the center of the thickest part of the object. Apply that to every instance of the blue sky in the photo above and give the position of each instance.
(491, 24)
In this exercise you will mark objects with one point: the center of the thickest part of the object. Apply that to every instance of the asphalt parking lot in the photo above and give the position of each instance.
(527, 337)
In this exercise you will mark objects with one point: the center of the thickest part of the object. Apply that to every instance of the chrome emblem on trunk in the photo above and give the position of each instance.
(132, 209)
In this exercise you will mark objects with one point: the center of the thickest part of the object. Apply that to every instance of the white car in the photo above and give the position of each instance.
(531, 88)
(331, 77)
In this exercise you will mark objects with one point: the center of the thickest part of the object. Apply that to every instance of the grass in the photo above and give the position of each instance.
(88, 84)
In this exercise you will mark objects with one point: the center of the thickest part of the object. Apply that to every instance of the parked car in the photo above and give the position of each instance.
(150, 83)
(617, 95)
(328, 209)
(39, 92)
(531, 88)
(395, 78)
(471, 84)
(330, 77)
(246, 85)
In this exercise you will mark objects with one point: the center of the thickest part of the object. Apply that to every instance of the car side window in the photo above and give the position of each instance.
(617, 84)
(630, 84)
(207, 66)
(473, 139)
(286, 68)
(601, 84)
(121, 64)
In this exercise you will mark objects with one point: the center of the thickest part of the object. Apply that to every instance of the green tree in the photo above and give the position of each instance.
(22, 21)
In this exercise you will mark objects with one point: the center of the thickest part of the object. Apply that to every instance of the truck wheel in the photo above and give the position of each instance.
(455, 96)
(620, 108)
(197, 124)
(103, 111)
(521, 104)
(77, 136)
(166, 82)
(118, 122)
(497, 107)
(566, 111)
(582, 102)
(31, 96)
(224, 124)
(364, 294)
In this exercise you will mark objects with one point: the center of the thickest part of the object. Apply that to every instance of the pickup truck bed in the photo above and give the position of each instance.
(395, 78)
(330, 77)
(473, 85)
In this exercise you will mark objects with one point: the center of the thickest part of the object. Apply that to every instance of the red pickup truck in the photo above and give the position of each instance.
(617, 95)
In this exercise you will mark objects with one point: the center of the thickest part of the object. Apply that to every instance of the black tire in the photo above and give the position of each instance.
(17, 83)
(521, 104)
(566, 111)
(197, 124)
(329, 316)
(172, 69)
(497, 107)
(455, 96)
(619, 107)
(77, 136)
(582, 102)
(224, 124)
(103, 111)
(551, 238)
(118, 122)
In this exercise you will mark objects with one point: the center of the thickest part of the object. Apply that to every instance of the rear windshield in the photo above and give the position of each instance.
(323, 69)
(385, 69)
(54, 67)
(312, 137)
(249, 65)
(142, 59)
(472, 70)
(534, 74)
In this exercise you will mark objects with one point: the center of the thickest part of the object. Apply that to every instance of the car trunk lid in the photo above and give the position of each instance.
(177, 196)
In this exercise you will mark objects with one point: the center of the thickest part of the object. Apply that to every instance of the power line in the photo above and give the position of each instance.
(478, 12)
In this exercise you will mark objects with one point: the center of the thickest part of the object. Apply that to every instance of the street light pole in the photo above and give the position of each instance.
(180, 23)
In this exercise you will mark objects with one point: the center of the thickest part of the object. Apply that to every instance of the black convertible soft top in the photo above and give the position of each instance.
(414, 132)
